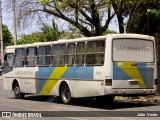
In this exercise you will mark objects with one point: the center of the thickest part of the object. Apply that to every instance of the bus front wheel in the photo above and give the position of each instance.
(17, 92)
(65, 94)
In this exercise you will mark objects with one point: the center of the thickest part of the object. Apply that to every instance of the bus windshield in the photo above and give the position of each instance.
(133, 50)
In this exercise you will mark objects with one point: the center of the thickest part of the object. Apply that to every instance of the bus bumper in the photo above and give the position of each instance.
(111, 91)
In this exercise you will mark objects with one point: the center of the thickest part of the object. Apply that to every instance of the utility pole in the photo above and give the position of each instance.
(1, 36)
(14, 23)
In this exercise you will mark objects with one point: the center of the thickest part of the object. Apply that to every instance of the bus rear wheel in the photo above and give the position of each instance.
(65, 94)
(17, 92)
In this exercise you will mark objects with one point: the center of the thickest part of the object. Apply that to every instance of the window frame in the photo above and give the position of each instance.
(73, 54)
(137, 40)
(35, 57)
(23, 57)
(44, 55)
(83, 54)
(7, 61)
(59, 55)
(95, 53)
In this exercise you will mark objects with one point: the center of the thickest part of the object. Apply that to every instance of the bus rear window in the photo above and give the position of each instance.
(133, 50)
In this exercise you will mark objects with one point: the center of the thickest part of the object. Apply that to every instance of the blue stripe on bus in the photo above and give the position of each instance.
(119, 74)
(79, 72)
(43, 72)
(143, 71)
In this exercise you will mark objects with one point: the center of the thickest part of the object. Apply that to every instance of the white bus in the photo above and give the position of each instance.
(100, 67)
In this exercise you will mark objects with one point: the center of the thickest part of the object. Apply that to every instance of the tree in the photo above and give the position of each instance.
(70, 33)
(85, 15)
(34, 37)
(48, 33)
(109, 31)
(7, 36)
(91, 17)
(51, 33)
(133, 9)
(153, 23)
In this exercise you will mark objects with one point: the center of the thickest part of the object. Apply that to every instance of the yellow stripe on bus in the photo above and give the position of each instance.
(132, 72)
(57, 73)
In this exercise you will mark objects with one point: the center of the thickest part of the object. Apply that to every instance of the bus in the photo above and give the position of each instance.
(99, 67)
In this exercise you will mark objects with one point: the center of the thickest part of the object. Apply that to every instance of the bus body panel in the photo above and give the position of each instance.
(87, 81)
(25, 76)
(81, 88)
(129, 92)
(76, 77)
(132, 75)
(108, 58)
(134, 63)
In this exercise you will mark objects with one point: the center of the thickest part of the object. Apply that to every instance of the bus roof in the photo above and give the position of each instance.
(81, 39)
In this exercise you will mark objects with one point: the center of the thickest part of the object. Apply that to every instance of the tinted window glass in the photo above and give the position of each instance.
(95, 53)
(20, 57)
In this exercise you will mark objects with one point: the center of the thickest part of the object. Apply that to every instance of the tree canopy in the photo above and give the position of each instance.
(149, 24)
(7, 36)
(134, 10)
(91, 17)
(48, 33)
(34, 37)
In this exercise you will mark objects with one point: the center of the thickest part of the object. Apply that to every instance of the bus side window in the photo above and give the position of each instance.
(80, 53)
(95, 53)
(70, 54)
(31, 56)
(8, 62)
(19, 57)
(44, 53)
(100, 49)
(58, 55)
(90, 53)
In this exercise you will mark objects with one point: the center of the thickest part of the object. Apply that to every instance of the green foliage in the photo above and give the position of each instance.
(71, 33)
(34, 37)
(7, 36)
(109, 31)
(133, 9)
(91, 17)
(51, 33)
(83, 15)
(43, 2)
(153, 23)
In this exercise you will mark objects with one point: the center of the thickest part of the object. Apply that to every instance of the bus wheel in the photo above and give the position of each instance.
(17, 92)
(65, 94)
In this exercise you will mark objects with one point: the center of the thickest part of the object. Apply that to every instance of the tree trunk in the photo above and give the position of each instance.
(120, 23)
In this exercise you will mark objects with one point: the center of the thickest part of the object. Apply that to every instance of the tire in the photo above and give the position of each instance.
(65, 94)
(17, 92)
